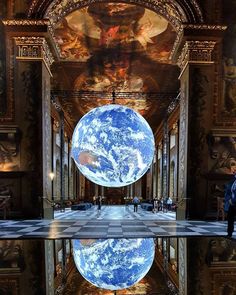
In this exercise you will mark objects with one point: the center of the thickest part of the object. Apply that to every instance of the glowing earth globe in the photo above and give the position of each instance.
(113, 145)
(113, 264)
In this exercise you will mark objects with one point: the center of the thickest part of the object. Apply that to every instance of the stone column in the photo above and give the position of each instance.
(154, 176)
(62, 157)
(196, 103)
(28, 109)
(165, 159)
(159, 174)
(29, 59)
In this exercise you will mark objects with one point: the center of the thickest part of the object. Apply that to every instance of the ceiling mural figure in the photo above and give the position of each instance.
(117, 47)
(125, 47)
(127, 27)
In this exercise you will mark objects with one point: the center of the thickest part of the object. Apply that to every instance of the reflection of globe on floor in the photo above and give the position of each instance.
(113, 264)
(113, 145)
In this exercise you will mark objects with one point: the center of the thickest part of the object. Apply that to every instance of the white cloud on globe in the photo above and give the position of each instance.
(113, 146)
(114, 264)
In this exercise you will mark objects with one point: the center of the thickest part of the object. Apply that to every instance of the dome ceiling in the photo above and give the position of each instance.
(115, 47)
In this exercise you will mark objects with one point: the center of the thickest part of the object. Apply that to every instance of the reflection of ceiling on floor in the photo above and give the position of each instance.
(106, 47)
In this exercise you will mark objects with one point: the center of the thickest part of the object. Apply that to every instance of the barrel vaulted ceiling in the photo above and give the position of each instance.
(110, 51)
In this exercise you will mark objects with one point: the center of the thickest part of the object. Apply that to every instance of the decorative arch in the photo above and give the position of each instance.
(176, 12)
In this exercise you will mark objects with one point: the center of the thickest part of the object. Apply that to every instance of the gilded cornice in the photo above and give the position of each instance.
(35, 23)
(196, 51)
(33, 48)
(177, 42)
(205, 27)
(182, 10)
(26, 22)
(195, 27)
(169, 9)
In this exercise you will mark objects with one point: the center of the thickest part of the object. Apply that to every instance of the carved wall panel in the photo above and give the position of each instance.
(9, 148)
(46, 137)
(222, 149)
(12, 255)
(183, 123)
(182, 250)
(7, 108)
(197, 129)
(227, 107)
(221, 260)
(10, 285)
(12, 184)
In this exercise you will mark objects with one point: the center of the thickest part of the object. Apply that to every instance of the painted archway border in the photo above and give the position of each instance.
(175, 11)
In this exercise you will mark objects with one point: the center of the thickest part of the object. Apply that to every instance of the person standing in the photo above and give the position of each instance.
(155, 205)
(99, 203)
(169, 203)
(230, 204)
(135, 202)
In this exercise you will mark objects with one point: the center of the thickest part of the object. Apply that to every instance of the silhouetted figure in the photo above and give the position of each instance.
(230, 204)
(99, 202)
(135, 202)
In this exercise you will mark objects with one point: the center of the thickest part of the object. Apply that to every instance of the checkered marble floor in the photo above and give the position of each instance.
(118, 212)
(77, 229)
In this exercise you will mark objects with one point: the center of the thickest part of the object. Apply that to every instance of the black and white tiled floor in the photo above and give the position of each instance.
(110, 222)
(77, 229)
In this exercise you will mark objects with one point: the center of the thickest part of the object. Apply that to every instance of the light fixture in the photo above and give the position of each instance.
(51, 175)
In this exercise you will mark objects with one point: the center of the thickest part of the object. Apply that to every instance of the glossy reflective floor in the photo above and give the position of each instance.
(215, 257)
(115, 212)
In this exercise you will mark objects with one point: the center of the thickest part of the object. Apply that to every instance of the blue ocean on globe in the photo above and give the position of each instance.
(114, 264)
(113, 145)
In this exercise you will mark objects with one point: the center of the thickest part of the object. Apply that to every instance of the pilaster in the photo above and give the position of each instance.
(197, 76)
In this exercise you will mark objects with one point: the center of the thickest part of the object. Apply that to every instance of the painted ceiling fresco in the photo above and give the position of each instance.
(123, 26)
(115, 47)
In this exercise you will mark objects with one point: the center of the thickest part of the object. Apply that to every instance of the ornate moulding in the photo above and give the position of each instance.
(26, 22)
(205, 27)
(184, 11)
(197, 49)
(174, 103)
(33, 48)
(169, 9)
(33, 22)
(196, 52)
(222, 150)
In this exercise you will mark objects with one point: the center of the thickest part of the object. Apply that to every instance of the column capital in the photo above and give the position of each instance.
(196, 51)
(33, 48)
(32, 40)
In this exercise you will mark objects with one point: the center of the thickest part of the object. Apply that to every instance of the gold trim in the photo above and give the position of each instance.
(205, 27)
(34, 48)
(196, 52)
(26, 22)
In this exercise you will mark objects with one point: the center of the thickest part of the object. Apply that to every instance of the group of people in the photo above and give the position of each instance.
(158, 204)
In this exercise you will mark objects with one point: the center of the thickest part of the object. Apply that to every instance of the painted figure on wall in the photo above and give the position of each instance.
(230, 85)
(11, 254)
